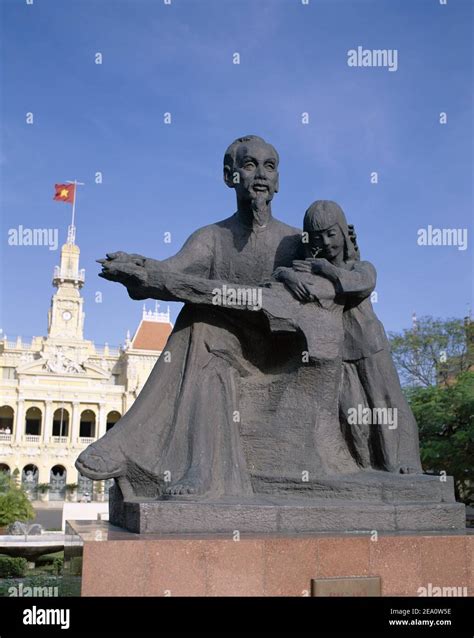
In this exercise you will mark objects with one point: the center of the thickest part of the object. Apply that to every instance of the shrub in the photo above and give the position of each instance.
(58, 565)
(14, 503)
(13, 567)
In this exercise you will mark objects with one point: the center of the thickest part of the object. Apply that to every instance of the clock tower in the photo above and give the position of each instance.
(66, 316)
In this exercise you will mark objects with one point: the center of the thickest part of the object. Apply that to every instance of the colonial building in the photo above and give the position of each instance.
(61, 392)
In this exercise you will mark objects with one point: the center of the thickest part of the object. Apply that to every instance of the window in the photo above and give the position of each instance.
(87, 424)
(33, 421)
(61, 422)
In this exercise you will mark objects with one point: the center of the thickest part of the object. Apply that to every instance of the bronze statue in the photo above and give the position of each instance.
(276, 345)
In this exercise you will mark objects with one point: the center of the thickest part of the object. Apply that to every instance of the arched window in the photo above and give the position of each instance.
(87, 424)
(29, 478)
(5, 468)
(61, 422)
(58, 471)
(33, 421)
(6, 419)
(85, 486)
(112, 419)
(57, 482)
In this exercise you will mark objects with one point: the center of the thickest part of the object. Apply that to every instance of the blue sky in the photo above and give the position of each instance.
(160, 178)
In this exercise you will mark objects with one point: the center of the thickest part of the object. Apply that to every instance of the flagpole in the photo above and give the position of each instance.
(72, 229)
(74, 203)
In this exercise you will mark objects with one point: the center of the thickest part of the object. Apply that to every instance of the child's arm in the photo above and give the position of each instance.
(358, 282)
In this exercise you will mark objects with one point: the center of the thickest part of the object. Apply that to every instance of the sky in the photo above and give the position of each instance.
(160, 178)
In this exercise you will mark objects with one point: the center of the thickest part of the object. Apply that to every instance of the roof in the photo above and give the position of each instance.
(151, 335)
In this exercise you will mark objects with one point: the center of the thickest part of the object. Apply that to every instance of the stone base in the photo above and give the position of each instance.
(119, 563)
(369, 501)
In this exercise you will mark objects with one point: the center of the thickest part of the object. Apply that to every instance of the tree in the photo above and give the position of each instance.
(14, 503)
(432, 351)
(445, 417)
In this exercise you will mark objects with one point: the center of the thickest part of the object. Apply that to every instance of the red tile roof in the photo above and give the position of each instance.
(151, 335)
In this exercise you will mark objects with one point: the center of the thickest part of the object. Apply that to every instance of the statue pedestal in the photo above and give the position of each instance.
(363, 502)
(119, 563)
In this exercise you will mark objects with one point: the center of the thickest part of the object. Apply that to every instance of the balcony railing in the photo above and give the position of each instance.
(86, 440)
(33, 438)
(5, 437)
(59, 439)
(113, 351)
(14, 345)
(64, 273)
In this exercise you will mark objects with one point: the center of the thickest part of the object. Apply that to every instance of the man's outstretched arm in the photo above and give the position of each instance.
(147, 278)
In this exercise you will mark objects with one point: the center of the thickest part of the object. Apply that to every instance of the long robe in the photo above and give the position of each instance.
(370, 380)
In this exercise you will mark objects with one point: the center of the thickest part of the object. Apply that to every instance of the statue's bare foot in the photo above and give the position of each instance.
(182, 488)
(99, 462)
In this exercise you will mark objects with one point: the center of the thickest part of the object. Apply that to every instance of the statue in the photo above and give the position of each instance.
(369, 377)
(276, 345)
(30, 477)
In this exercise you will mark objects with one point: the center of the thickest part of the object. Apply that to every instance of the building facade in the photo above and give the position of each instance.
(61, 392)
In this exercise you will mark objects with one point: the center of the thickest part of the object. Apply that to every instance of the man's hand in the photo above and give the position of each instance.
(127, 269)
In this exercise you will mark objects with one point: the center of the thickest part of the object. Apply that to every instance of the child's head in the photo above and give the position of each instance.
(328, 234)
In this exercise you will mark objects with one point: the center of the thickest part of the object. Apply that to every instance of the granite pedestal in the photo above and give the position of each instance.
(120, 563)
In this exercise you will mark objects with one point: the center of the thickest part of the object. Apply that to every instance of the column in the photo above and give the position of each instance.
(102, 421)
(75, 422)
(127, 402)
(19, 421)
(48, 422)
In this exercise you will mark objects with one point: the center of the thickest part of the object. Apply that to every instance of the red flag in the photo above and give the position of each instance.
(64, 193)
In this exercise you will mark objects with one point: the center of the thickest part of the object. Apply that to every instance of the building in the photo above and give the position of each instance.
(61, 392)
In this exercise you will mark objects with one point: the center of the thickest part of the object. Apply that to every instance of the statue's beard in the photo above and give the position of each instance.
(260, 208)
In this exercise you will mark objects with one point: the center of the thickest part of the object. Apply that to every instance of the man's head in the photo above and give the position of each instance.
(251, 167)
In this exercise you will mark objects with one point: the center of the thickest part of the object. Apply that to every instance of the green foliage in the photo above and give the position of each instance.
(48, 559)
(51, 563)
(5, 482)
(12, 567)
(445, 416)
(71, 487)
(43, 487)
(432, 351)
(14, 503)
(58, 565)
